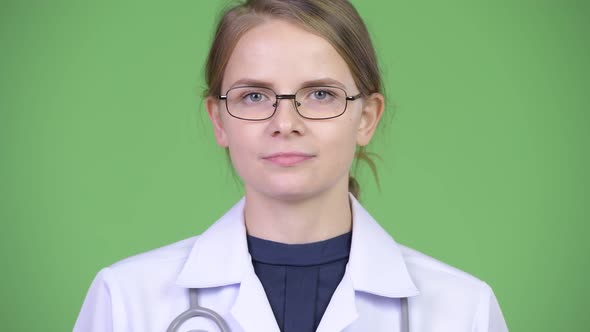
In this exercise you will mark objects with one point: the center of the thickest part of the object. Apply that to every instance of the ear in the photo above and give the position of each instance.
(373, 108)
(214, 112)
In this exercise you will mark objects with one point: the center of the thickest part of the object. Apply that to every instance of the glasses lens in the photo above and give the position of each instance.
(250, 103)
(321, 102)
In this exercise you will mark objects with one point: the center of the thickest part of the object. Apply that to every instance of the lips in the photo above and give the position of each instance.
(287, 159)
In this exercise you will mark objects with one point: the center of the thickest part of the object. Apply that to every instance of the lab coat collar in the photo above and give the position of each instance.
(376, 262)
(220, 256)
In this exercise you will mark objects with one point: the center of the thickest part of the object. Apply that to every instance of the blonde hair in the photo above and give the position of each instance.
(337, 21)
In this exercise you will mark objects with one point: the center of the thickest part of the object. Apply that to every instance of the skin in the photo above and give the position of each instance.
(307, 202)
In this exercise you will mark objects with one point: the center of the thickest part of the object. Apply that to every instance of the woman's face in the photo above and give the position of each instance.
(287, 156)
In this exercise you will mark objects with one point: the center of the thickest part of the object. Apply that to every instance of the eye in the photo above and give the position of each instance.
(254, 97)
(321, 94)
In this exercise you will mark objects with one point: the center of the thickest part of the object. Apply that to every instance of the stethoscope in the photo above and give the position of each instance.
(196, 311)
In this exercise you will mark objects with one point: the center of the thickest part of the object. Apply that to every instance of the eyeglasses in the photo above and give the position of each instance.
(255, 103)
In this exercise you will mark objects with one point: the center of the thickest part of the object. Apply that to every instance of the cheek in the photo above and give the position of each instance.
(340, 144)
(238, 146)
(242, 144)
(349, 128)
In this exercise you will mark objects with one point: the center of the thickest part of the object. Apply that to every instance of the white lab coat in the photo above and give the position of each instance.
(144, 293)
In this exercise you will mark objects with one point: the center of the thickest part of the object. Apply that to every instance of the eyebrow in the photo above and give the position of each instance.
(326, 81)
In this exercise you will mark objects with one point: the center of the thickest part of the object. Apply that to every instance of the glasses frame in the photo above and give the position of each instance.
(289, 96)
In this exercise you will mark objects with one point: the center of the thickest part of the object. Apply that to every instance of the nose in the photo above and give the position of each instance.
(286, 120)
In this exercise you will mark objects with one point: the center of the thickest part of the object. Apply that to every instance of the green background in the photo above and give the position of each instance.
(106, 151)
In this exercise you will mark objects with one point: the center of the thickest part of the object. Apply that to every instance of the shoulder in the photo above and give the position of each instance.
(163, 263)
(171, 252)
(453, 293)
(129, 283)
(436, 278)
(422, 264)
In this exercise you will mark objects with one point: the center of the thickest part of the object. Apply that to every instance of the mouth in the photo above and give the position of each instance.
(288, 159)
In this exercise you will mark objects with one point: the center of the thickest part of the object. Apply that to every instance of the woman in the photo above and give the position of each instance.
(293, 91)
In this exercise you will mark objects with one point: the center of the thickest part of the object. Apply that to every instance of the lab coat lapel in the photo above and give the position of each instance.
(375, 266)
(251, 308)
(376, 263)
(220, 257)
(341, 310)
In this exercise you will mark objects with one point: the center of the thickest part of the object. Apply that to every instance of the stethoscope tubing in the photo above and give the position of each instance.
(197, 311)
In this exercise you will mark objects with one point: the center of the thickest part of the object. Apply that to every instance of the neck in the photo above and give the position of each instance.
(296, 221)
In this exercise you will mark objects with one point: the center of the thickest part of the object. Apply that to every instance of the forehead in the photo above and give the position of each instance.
(285, 55)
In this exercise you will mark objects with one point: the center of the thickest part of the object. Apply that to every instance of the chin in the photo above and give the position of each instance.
(286, 192)
(289, 193)
(293, 192)
(291, 187)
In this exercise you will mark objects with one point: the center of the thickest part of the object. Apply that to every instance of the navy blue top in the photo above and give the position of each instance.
(300, 279)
